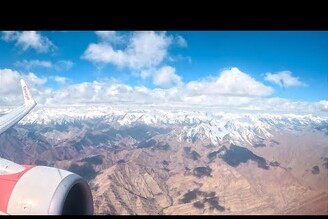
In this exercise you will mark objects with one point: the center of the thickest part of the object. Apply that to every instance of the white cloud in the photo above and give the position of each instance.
(35, 79)
(104, 53)
(166, 76)
(118, 93)
(276, 104)
(145, 73)
(110, 36)
(59, 79)
(9, 35)
(10, 85)
(142, 53)
(145, 49)
(283, 79)
(97, 92)
(8, 80)
(29, 39)
(180, 58)
(181, 41)
(231, 82)
(35, 63)
(148, 49)
(323, 105)
(28, 64)
(231, 87)
(208, 93)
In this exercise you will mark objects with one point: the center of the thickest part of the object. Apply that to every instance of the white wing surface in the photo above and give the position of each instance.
(14, 116)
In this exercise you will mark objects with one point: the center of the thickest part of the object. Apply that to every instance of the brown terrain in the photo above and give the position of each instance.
(159, 174)
(182, 180)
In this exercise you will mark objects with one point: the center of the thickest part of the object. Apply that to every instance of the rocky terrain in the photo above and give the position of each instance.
(160, 161)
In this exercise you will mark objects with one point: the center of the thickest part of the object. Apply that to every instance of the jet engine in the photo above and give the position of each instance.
(41, 190)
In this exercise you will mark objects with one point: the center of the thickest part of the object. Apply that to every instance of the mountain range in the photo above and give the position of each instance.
(148, 160)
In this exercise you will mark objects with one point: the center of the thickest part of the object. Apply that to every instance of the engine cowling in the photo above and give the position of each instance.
(41, 190)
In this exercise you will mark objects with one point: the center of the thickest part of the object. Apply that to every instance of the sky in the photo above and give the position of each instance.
(269, 71)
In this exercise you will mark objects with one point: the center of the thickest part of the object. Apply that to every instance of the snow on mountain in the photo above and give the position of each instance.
(187, 124)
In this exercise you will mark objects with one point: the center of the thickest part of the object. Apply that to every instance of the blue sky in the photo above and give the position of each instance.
(197, 67)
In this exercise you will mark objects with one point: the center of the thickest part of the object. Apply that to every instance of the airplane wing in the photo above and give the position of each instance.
(14, 116)
(35, 190)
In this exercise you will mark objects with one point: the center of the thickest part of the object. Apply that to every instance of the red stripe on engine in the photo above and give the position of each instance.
(7, 184)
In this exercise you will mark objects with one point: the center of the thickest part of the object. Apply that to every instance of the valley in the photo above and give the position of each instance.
(181, 162)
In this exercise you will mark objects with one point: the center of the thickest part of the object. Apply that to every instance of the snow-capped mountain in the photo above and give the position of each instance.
(188, 161)
(190, 125)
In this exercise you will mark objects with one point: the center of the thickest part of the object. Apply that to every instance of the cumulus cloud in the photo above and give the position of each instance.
(104, 53)
(250, 95)
(231, 82)
(166, 77)
(144, 50)
(230, 87)
(35, 79)
(10, 85)
(29, 40)
(118, 93)
(284, 79)
(95, 92)
(110, 36)
(8, 79)
(323, 105)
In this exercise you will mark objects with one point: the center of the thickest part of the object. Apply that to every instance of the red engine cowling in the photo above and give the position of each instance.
(41, 190)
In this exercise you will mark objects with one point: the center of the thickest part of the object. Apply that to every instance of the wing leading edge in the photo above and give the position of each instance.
(14, 116)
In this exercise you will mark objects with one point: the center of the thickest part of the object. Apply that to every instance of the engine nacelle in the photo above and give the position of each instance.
(41, 190)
